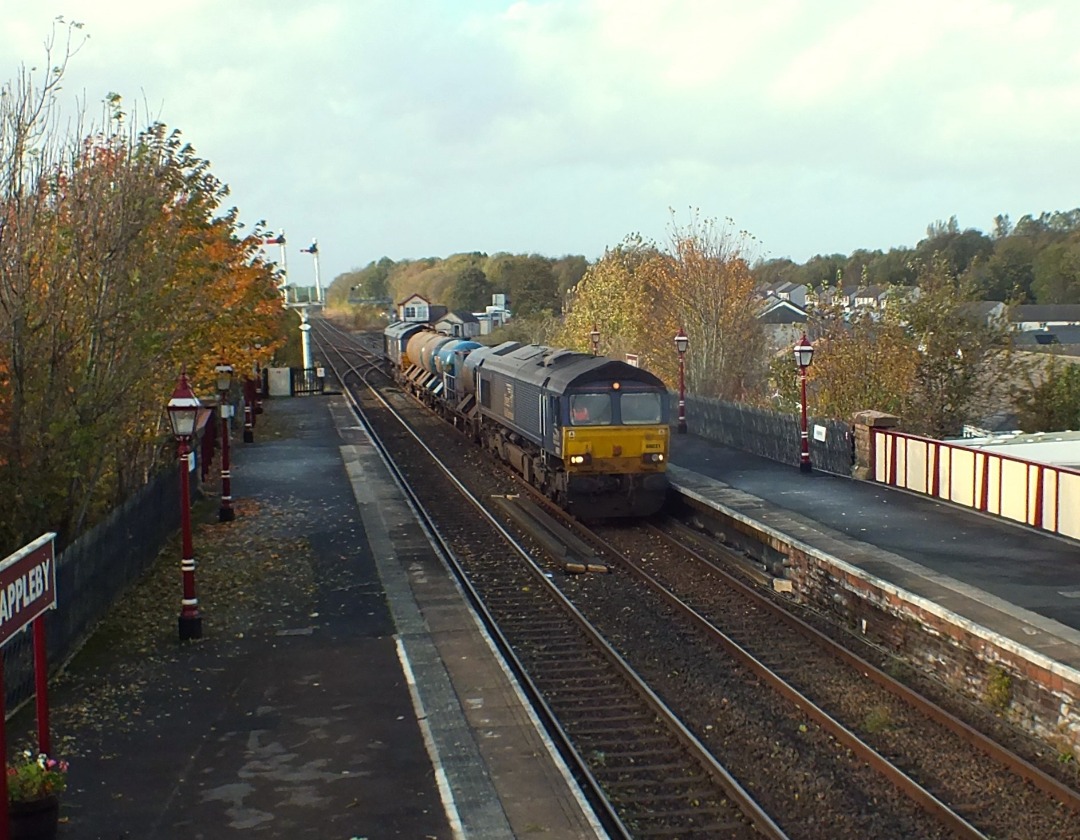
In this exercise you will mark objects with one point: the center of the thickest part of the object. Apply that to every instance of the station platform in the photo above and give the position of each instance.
(1013, 583)
(362, 700)
(380, 710)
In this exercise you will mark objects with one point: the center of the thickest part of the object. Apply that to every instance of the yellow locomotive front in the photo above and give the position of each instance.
(614, 448)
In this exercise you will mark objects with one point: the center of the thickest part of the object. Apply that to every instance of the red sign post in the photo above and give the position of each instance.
(27, 590)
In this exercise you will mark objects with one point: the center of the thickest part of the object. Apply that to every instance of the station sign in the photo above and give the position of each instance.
(27, 585)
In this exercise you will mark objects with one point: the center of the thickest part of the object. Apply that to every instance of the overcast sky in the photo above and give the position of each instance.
(413, 128)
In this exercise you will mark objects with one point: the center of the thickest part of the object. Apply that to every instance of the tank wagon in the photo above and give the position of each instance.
(588, 431)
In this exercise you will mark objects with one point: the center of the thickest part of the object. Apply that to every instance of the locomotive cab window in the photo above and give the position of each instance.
(590, 409)
(641, 409)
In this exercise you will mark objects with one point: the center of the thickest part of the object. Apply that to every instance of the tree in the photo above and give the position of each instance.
(961, 359)
(1056, 273)
(538, 328)
(775, 271)
(860, 362)
(639, 296)
(705, 286)
(1054, 404)
(616, 297)
(959, 249)
(369, 283)
(114, 271)
(568, 272)
(471, 291)
(530, 285)
(893, 268)
(821, 270)
(1008, 274)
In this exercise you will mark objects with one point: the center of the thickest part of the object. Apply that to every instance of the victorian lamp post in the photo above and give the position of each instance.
(682, 342)
(224, 385)
(183, 410)
(594, 337)
(804, 354)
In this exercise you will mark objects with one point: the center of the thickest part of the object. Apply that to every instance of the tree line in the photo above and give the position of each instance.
(466, 282)
(928, 356)
(118, 267)
(1035, 260)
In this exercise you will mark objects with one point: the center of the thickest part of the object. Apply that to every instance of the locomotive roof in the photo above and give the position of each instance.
(564, 369)
(401, 328)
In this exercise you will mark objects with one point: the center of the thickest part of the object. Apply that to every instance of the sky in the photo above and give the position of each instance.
(424, 128)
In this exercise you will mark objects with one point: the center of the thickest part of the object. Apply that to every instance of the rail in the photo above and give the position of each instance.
(1043, 496)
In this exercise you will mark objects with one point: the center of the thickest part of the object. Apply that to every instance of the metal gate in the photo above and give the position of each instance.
(307, 380)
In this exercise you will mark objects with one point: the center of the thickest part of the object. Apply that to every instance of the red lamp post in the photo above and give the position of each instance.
(594, 337)
(224, 385)
(804, 354)
(682, 342)
(183, 411)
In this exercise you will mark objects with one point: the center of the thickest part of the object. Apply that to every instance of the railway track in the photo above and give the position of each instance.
(972, 784)
(660, 618)
(647, 771)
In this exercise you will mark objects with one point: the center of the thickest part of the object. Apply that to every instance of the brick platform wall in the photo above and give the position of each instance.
(1041, 699)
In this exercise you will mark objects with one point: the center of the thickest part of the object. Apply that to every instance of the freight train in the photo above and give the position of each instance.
(590, 432)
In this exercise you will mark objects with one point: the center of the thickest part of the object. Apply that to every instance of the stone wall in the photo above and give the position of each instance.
(771, 434)
(1037, 694)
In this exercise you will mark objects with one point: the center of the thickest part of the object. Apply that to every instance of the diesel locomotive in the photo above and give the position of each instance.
(590, 432)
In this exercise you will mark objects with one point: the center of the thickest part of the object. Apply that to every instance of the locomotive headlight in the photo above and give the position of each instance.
(581, 459)
(653, 457)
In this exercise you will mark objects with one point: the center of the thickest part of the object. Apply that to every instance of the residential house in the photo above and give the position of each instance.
(1047, 327)
(783, 321)
(458, 325)
(842, 296)
(417, 309)
(1044, 316)
(869, 297)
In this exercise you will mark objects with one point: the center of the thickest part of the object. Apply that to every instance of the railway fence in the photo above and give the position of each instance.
(772, 434)
(93, 571)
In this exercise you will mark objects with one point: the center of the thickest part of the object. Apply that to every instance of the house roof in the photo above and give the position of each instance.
(1047, 337)
(462, 317)
(1044, 312)
(783, 312)
(1060, 449)
(413, 297)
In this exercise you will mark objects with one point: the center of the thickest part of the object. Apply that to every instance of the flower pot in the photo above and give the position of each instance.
(37, 819)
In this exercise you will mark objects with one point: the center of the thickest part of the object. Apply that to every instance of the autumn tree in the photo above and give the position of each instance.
(706, 287)
(616, 296)
(960, 357)
(860, 362)
(639, 296)
(114, 271)
(471, 291)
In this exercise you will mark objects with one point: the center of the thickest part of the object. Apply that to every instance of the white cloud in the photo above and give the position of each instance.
(561, 125)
